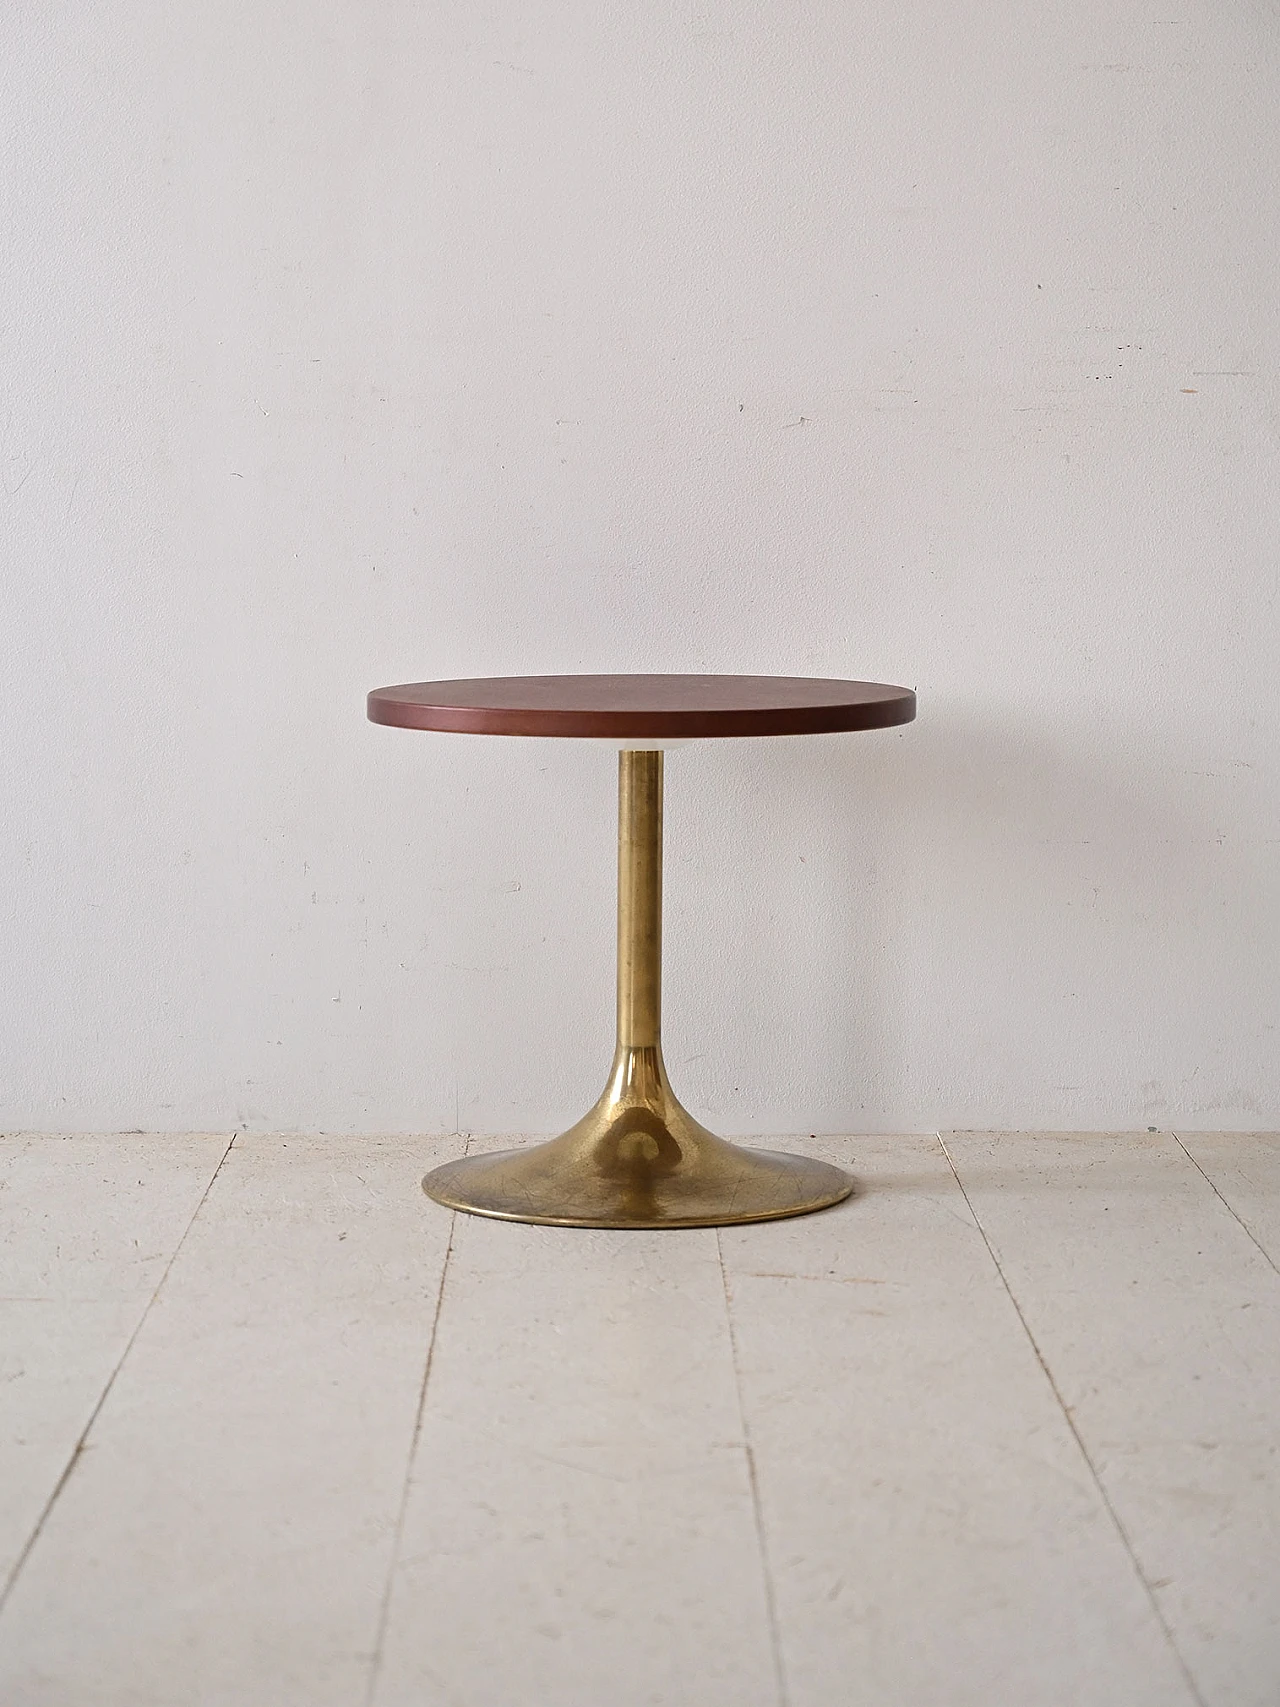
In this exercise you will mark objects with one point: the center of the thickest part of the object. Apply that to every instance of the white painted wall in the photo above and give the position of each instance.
(362, 341)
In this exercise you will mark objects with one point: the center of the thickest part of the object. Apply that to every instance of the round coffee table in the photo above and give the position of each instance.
(638, 1158)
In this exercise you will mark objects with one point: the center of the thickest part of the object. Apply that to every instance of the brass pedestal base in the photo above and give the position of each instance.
(638, 1159)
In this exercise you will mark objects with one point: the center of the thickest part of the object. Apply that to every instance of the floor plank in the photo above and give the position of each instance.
(580, 1528)
(1244, 1168)
(1159, 1318)
(933, 1531)
(227, 1534)
(87, 1227)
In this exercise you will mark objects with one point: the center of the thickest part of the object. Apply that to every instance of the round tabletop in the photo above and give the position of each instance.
(618, 708)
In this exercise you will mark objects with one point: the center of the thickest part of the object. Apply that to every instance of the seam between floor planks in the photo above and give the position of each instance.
(1085, 1454)
(77, 1450)
(384, 1611)
(762, 1541)
(1227, 1204)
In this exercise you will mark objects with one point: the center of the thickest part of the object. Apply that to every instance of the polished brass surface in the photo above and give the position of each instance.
(638, 1158)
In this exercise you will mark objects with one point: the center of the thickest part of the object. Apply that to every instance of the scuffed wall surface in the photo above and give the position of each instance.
(366, 341)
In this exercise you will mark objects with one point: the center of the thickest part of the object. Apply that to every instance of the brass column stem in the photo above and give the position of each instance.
(639, 900)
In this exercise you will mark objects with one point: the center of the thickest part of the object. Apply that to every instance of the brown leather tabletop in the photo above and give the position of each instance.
(619, 708)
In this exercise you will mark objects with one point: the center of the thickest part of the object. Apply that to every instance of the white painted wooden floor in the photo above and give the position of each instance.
(1003, 1430)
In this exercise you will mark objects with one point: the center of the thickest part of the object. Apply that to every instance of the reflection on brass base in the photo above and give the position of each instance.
(638, 1159)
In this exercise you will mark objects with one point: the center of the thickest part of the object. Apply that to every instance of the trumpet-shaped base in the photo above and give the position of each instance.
(638, 1159)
